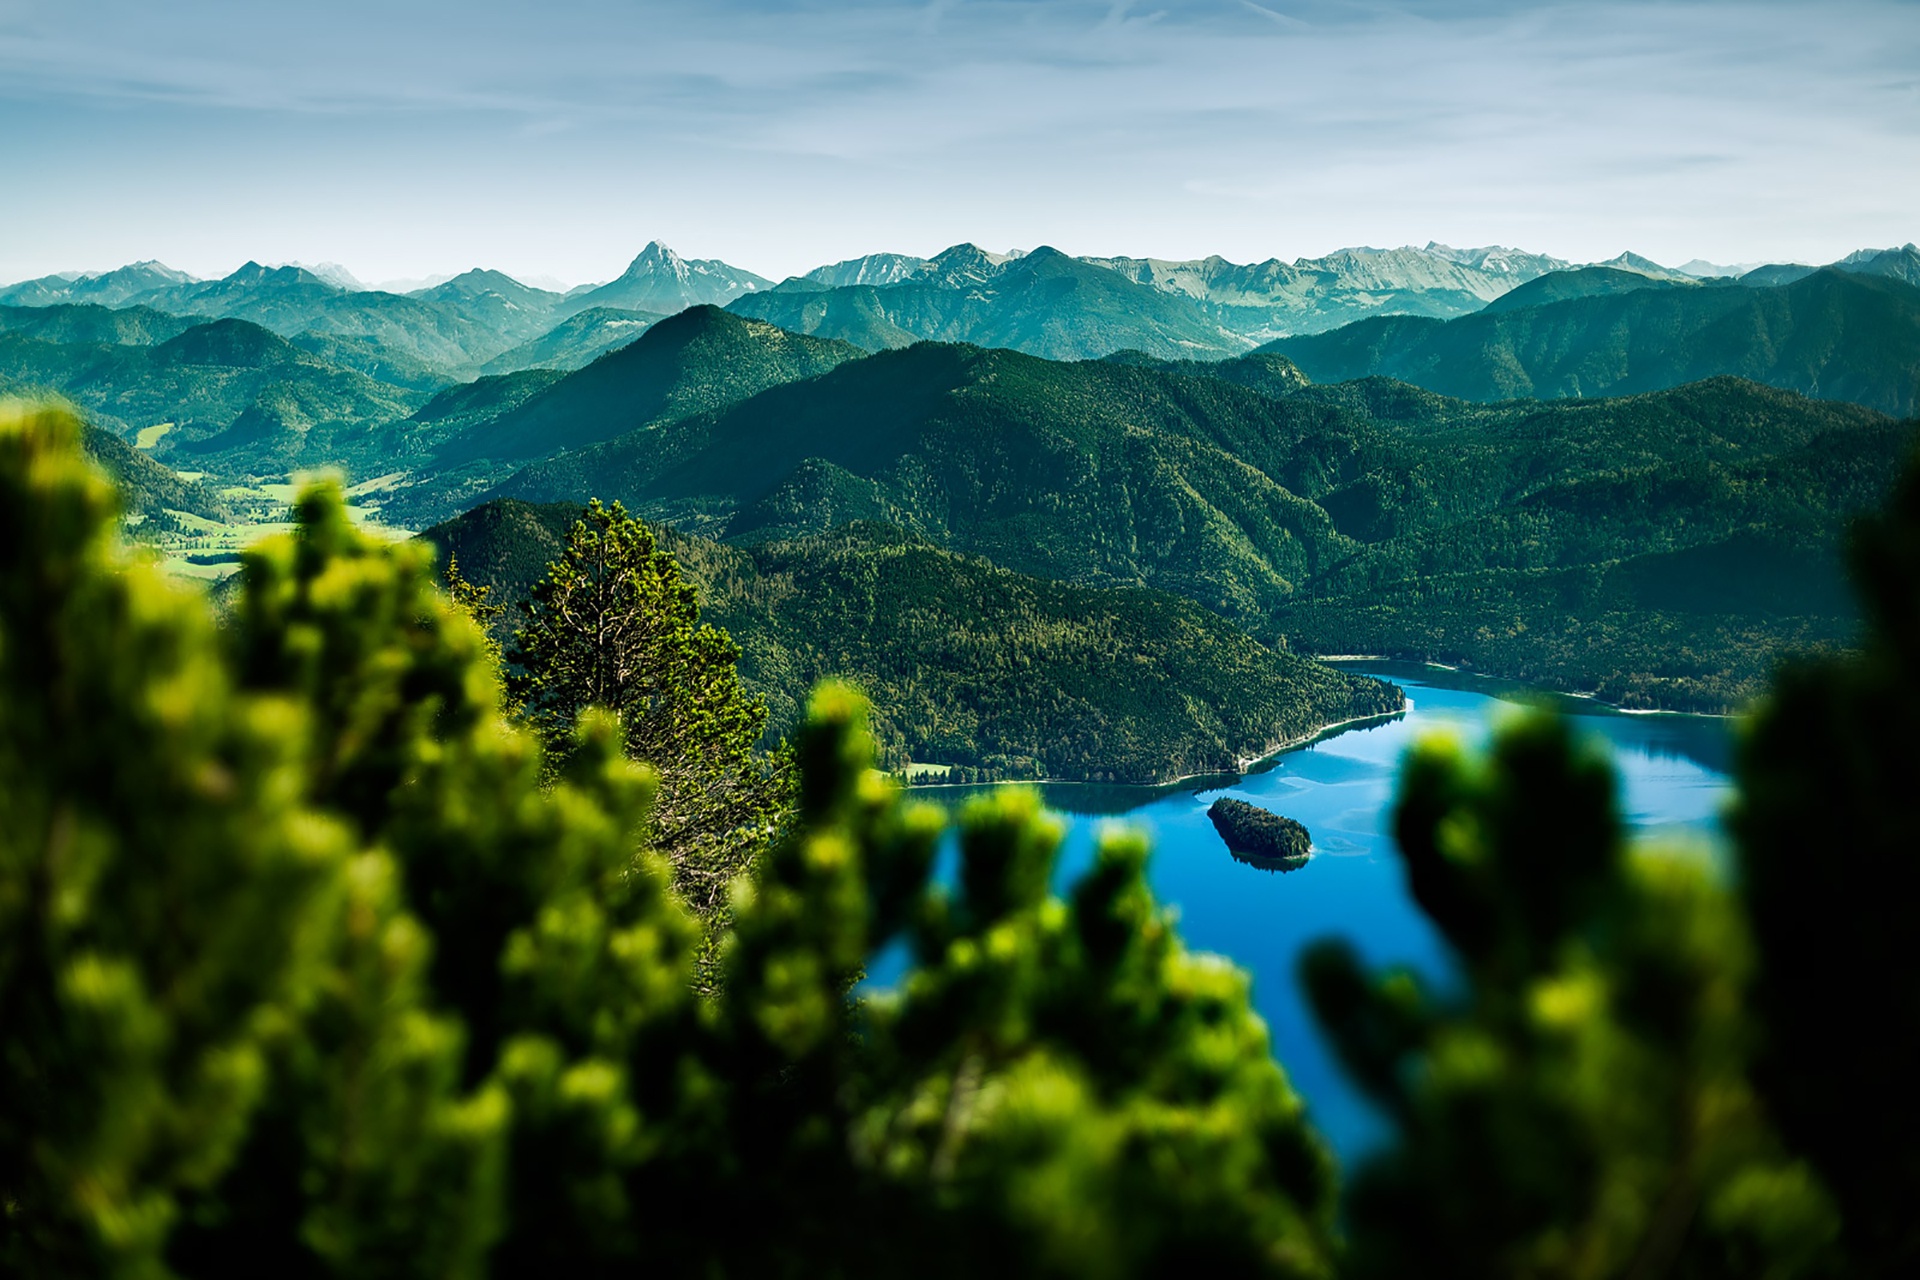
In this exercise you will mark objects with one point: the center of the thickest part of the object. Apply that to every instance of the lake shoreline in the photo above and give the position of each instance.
(1474, 680)
(1244, 765)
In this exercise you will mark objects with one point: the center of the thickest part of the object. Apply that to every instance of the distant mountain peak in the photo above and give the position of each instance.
(660, 280)
(876, 269)
(1868, 255)
(657, 253)
(331, 273)
(1630, 261)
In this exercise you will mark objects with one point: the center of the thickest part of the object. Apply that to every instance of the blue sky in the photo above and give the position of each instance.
(406, 137)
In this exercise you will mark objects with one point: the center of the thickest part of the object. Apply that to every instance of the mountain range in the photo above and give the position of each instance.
(1369, 516)
(1528, 487)
(1042, 302)
(1851, 334)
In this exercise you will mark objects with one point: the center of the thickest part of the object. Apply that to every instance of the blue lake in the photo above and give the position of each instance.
(1674, 782)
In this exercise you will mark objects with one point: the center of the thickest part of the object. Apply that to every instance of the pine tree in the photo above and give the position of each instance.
(614, 625)
(477, 603)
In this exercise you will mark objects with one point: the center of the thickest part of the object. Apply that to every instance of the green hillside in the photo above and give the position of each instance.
(1584, 282)
(577, 341)
(1093, 472)
(1834, 334)
(1314, 515)
(970, 665)
(91, 322)
(242, 399)
(701, 359)
(1044, 303)
(147, 489)
(1660, 550)
(1266, 372)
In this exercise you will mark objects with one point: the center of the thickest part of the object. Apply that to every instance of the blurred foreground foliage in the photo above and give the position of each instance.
(311, 964)
(307, 971)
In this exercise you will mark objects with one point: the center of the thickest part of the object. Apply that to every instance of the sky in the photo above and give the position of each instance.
(405, 138)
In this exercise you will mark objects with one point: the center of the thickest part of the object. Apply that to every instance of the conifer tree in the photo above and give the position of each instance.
(477, 603)
(614, 625)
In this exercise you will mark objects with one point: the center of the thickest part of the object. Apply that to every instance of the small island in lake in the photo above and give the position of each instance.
(1259, 838)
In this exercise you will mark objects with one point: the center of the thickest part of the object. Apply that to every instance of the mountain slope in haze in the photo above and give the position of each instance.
(454, 331)
(969, 665)
(1043, 303)
(870, 269)
(662, 282)
(239, 396)
(697, 360)
(91, 322)
(147, 489)
(1833, 334)
(1272, 298)
(577, 341)
(134, 282)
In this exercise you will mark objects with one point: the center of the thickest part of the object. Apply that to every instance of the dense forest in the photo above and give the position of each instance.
(1537, 540)
(988, 674)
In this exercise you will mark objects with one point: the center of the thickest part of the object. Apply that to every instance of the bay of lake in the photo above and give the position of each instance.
(1674, 781)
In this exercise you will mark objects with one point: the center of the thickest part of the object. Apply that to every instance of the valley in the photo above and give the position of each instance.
(1078, 519)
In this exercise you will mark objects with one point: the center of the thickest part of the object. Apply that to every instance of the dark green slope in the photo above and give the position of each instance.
(969, 664)
(1045, 304)
(1367, 517)
(1834, 334)
(1663, 550)
(701, 359)
(1267, 372)
(1093, 472)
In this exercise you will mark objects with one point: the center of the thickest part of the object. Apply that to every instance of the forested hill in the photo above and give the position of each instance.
(147, 489)
(1834, 334)
(225, 387)
(1356, 499)
(970, 665)
(1097, 472)
(1659, 550)
(701, 359)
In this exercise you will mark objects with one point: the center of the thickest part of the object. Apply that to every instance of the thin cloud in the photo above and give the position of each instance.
(783, 134)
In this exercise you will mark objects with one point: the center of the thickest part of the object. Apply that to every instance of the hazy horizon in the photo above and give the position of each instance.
(405, 284)
(414, 138)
